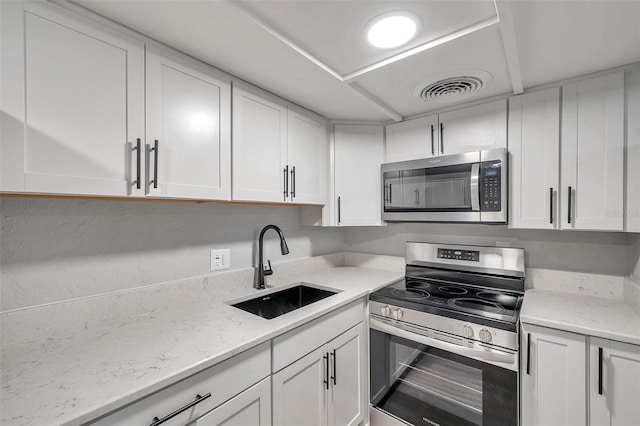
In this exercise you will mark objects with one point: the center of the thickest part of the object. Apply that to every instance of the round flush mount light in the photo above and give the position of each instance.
(392, 29)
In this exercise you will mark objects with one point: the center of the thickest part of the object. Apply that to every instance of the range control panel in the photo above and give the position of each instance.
(469, 255)
(491, 186)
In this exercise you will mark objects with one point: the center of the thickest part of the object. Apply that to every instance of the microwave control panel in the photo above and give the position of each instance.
(491, 186)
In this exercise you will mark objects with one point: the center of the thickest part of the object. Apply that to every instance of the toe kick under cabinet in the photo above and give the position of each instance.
(572, 379)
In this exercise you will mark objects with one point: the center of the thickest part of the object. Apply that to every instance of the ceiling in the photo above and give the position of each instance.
(314, 53)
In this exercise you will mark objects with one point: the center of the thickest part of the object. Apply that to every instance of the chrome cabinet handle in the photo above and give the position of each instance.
(326, 359)
(569, 209)
(138, 149)
(155, 163)
(433, 151)
(198, 400)
(441, 138)
(285, 173)
(293, 182)
(333, 355)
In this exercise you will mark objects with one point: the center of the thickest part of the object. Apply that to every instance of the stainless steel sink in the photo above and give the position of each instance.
(279, 303)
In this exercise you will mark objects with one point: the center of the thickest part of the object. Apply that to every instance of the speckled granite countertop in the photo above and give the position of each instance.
(71, 362)
(594, 316)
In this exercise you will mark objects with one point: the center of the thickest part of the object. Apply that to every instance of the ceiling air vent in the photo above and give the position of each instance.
(451, 89)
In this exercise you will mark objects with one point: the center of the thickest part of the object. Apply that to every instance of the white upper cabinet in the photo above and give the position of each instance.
(82, 89)
(614, 383)
(413, 139)
(632, 149)
(188, 129)
(474, 128)
(593, 154)
(358, 155)
(534, 148)
(552, 377)
(259, 147)
(278, 152)
(307, 145)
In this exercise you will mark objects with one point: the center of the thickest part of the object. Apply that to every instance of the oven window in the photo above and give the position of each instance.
(427, 386)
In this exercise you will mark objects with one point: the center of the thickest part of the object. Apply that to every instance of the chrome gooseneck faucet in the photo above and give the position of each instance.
(259, 284)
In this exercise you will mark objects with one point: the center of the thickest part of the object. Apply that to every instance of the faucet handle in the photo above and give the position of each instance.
(268, 270)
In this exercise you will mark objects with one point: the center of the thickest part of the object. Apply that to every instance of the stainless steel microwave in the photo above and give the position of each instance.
(469, 187)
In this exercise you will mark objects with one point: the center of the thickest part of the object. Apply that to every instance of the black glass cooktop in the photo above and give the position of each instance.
(455, 300)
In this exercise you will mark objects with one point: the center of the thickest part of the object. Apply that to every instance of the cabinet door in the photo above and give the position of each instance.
(632, 117)
(189, 119)
(534, 148)
(347, 399)
(259, 147)
(83, 94)
(411, 140)
(593, 153)
(307, 145)
(358, 187)
(300, 391)
(614, 383)
(251, 407)
(553, 377)
(474, 128)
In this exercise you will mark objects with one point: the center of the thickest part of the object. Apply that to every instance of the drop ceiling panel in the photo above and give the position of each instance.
(219, 34)
(564, 39)
(397, 82)
(333, 31)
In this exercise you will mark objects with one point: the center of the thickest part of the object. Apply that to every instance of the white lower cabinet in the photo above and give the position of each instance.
(251, 408)
(614, 383)
(325, 387)
(552, 377)
(227, 387)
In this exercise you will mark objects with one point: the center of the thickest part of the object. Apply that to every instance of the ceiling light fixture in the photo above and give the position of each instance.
(392, 29)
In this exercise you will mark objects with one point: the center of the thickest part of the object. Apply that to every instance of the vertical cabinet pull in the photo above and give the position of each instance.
(293, 182)
(156, 421)
(285, 173)
(326, 370)
(569, 209)
(551, 206)
(155, 163)
(599, 371)
(441, 138)
(138, 162)
(416, 196)
(339, 210)
(528, 353)
(333, 355)
(433, 151)
(390, 194)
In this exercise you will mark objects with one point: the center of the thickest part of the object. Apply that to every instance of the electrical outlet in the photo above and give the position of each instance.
(220, 259)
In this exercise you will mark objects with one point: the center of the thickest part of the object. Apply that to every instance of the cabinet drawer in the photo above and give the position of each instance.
(223, 381)
(301, 341)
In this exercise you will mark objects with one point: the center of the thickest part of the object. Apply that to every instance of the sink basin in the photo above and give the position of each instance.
(279, 303)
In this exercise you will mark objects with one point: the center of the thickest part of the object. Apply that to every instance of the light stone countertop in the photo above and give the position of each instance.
(69, 363)
(593, 316)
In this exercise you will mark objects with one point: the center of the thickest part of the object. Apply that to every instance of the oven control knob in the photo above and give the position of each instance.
(398, 314)
(386, 311)
(467, 331)
(485, 335)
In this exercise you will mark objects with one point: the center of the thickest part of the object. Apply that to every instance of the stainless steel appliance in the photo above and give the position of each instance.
(444, 340)
(469, 187)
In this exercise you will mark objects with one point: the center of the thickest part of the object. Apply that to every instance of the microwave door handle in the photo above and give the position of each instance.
(475, 187)
(482, 355)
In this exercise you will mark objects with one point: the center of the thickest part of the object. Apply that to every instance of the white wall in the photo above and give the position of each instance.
(591, 252)
(635, 258)
(56, 249)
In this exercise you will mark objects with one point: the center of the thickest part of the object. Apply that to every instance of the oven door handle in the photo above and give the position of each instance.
(475, 187)
(493, 356)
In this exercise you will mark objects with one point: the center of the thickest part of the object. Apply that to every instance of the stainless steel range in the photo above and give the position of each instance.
(444, 340)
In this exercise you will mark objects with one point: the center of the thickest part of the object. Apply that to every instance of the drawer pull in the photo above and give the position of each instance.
(199, 399)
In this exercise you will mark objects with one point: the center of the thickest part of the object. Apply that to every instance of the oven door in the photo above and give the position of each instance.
(422, 380)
